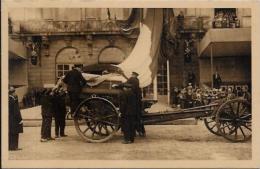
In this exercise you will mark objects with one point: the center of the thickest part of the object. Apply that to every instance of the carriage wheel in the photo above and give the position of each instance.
(234, 120)
(211, 125)
(210, 122)
(96, 120)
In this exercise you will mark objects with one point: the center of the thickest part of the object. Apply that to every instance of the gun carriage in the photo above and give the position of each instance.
(97, 117)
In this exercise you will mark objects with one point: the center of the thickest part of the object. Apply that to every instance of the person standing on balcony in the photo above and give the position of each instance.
(15, 120)
(75, 81)
(216, 80)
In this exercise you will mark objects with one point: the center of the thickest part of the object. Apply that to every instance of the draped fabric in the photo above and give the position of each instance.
(132, 21)
(169, 44)
(144, 57)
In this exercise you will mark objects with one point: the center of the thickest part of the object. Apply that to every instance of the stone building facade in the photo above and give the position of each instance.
(88, 36)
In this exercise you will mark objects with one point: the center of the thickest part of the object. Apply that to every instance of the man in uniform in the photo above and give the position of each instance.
(15, 120)
(75, 81)
(59, 112)
(131, 109)
(47, 114)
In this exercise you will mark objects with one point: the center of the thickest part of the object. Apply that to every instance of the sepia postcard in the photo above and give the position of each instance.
(130, 84)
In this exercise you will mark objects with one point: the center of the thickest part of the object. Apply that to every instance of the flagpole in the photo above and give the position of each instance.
(168, 82)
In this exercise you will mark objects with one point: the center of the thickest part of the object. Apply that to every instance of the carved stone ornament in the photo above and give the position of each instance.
(45, 45)
(111, 41)
(68, 41)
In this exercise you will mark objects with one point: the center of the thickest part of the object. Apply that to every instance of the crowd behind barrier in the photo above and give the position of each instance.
(189, 96)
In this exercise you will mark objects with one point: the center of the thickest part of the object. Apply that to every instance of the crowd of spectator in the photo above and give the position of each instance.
(32, 98)
(226, 19)
(189, 96)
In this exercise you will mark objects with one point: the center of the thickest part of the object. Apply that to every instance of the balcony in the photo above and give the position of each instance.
(50, 27)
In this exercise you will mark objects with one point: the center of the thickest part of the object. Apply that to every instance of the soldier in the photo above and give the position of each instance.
(59, 112)
(15, 120)
(75, 81)
(47, 114)
(128, 117)
(131, 109)
(134, 81)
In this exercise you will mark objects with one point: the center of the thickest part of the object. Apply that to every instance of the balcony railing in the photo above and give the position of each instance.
(49, 26)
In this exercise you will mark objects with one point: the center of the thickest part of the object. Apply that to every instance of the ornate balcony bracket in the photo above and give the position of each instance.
(68, 41)
(111, 42)
(45, 45)
(89, 39)
(33, 45)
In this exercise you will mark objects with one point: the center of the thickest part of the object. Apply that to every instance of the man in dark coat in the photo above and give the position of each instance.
(128, 117)
(131, 109)
(216, 80)
(134, 81)
(75, 82)
(59, 112)
(47, 114)
(15, 120)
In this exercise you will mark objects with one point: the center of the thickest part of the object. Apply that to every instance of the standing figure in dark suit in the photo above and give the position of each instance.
(47, 114)
(15, 120)
(128, 116)
(59, 112)
(134, 81)
(216, 80)
(75, 81)
(131, 109)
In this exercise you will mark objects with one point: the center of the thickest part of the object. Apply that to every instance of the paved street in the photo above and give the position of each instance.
(170, 142)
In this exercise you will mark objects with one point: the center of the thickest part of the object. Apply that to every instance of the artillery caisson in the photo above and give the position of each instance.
(97, 117)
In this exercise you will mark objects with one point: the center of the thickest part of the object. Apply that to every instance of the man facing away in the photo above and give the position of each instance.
(59, 109)
(75, 81)
(47, 114)
(15, 120)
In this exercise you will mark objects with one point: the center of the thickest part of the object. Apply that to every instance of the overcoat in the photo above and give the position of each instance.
(15, 116)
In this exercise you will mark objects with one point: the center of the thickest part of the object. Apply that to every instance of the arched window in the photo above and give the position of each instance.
(111, 55)
(66, 59)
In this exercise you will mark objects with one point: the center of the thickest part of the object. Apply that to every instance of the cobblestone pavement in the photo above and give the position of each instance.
(168, 142)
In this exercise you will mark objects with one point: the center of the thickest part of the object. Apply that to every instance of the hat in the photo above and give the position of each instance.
(77, 66)
(134, 73)
(11, 89)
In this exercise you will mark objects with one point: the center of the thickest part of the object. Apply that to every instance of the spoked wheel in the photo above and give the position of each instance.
(211, 124)
(234, 120)
(96, 120)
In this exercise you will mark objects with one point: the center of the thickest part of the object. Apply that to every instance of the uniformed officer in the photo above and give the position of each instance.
(128, 117)
(134, 81)
(15, 120)
(47, 114)
(59, 112)
(75, 81)
(131, 109)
